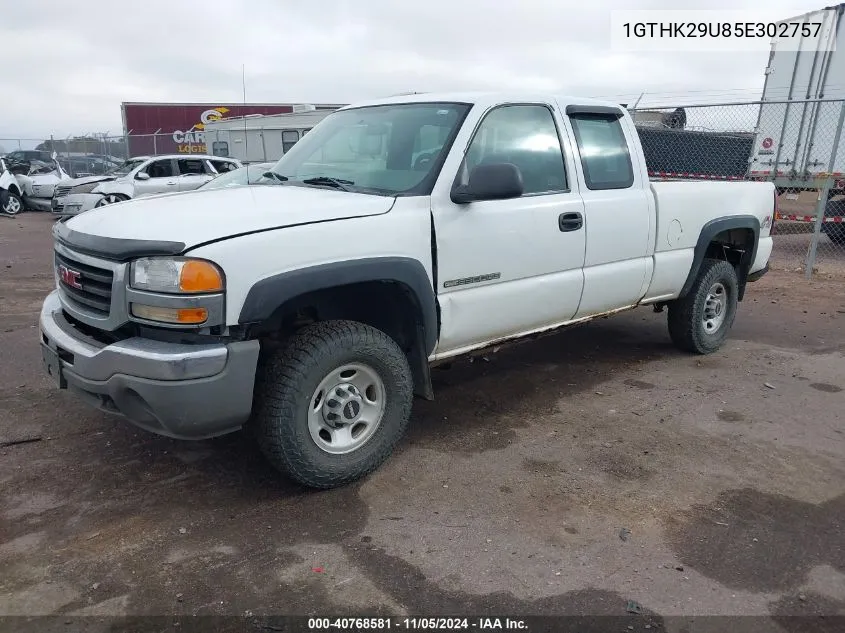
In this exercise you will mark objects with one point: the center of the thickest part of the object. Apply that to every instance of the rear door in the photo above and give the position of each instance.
(618, 207)
(193, 172)
(506, 267)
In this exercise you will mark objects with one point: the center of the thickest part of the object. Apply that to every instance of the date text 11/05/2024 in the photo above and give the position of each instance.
(426, 624)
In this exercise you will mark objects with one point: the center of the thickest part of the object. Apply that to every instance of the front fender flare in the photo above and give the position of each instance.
(268, 294)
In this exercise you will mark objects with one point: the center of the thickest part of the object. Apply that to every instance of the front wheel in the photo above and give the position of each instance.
(10, 202)
(700, 321)
(111, 198)
(331, 406)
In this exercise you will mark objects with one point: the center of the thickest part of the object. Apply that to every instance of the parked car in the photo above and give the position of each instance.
(361, 268)
(253, 174)
(82, 166)
(35, 182)
(39, 183)
(139, 177)
(11, 195)
(26, 155)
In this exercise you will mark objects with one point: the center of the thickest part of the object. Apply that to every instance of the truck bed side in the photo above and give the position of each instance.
(687, 211)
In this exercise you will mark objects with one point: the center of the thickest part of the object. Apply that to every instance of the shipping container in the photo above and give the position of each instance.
(799, 119)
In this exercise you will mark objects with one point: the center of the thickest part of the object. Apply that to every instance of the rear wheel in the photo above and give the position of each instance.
(331, 406)
(10, 202)
(700, 321)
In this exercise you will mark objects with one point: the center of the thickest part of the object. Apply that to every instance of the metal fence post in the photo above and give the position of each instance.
(263, 145)
(823, 196)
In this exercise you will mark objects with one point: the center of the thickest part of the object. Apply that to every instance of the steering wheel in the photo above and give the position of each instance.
(423, 160)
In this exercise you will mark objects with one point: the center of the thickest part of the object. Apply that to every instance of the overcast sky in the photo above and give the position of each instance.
(67, 66)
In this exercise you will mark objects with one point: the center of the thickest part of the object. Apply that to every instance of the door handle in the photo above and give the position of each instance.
(570, 221)
(171, 183)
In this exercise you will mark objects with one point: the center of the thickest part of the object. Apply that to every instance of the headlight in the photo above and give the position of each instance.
(86, 188)
(177, 275)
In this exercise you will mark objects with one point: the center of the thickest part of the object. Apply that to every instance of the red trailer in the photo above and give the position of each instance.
(178, 128)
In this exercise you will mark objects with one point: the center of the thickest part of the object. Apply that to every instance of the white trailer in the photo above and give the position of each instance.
(261, 138)
(800, 120)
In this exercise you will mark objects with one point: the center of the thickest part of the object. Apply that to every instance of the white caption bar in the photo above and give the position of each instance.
(720, 31)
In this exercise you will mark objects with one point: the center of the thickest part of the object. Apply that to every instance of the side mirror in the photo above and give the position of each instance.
(493, 181)
(142, 175)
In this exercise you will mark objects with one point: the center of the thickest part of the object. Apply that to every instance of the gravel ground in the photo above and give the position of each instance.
(566, 476)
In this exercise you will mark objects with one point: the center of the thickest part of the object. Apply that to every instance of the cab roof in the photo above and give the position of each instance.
(485, 99)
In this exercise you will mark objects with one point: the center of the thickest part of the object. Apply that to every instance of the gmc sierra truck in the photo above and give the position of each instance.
(400, 233)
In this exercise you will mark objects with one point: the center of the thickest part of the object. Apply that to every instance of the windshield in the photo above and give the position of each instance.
(40, 167)
(238, 177)
(394, 149)
(126, 167)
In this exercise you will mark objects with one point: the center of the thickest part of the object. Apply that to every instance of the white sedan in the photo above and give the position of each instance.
(142, 176)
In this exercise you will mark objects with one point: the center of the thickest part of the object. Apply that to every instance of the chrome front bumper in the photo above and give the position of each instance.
(174, 389)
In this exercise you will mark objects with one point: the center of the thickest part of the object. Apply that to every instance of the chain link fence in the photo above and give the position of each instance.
(95, 154)
(797, 144)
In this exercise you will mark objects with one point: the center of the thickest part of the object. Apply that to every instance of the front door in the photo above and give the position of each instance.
(162, 178)
(505, 267)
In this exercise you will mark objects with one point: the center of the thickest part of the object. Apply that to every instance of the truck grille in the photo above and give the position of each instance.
(87, 286)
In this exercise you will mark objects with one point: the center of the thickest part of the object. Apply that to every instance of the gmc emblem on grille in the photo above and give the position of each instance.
(70, 277)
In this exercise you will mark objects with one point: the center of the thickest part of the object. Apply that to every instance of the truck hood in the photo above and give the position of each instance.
(196, 217)
(73, 182)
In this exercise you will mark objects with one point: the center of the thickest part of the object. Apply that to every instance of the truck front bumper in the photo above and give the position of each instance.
(178, 390)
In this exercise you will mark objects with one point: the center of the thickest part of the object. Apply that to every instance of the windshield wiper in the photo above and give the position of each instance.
(337, 183)
(272, 174)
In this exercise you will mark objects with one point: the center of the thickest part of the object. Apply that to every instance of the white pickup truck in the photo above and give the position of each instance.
(401, 233)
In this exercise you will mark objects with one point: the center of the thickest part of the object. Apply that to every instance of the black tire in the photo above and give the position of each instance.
(687, 314)
(112, 198)
(286, 383)
(10, 202)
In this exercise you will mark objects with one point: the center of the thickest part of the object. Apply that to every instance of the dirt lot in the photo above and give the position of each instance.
(570, 475)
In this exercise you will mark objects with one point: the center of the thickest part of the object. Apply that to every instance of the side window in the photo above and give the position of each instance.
(526, 136)
(220, 148)
(160, 169)
(222, 166)
(289, 139)
(604, 151)
(191, 166)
